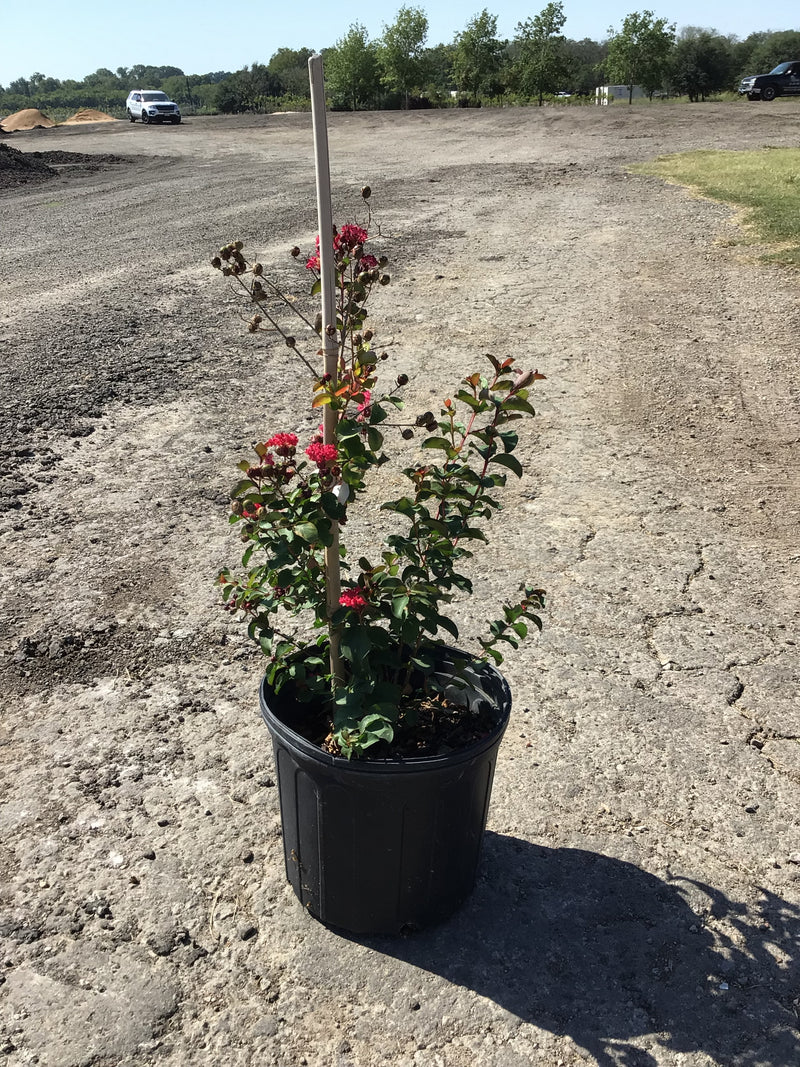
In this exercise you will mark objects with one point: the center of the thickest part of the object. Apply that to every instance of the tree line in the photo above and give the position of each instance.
(400, 69)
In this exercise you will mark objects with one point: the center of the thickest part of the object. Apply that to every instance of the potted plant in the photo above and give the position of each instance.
(385, 735)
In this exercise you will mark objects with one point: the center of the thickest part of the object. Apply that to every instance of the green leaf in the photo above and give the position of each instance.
(469, 400)
(244, 486)
(400, 605)
(516, 403)
(374, 439)
(506, 460)
(307, 531)
(316, 288)
(438, 442)
(449, 625)
(378, 727)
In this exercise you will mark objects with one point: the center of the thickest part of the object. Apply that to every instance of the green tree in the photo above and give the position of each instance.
(478, 57)
(252, 88)
(772, 50)
(438, 67)
(701, 63)
(541, 63)
(290, 67)
(402, 52)
(351, 70)
(585, 65)
(639, 53)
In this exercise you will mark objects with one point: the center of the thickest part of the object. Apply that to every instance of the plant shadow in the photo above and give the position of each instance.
(592, 947)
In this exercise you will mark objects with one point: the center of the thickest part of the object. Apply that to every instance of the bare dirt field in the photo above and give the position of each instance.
(639, 896)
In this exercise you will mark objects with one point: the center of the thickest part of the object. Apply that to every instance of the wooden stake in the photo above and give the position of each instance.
(330, 339)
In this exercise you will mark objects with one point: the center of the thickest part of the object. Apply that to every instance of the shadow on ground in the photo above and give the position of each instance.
(597, 949)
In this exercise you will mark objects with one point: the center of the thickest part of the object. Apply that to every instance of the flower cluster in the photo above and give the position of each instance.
(283, 443)
(348, 243)
(353, 599)
(322, 455)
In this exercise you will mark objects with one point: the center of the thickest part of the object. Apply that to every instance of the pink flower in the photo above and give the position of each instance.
(350, 236)
(353, 598)
(322, 455)
(283, 443)
(312, 263)
(364, 407)
(367, 262)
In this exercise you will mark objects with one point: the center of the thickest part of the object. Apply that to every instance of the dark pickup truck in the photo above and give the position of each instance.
(783, 81)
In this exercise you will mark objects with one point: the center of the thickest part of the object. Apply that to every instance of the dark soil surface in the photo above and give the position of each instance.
(19, 168)
(639, 898)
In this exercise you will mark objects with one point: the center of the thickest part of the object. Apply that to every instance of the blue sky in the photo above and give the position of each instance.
(72, 38)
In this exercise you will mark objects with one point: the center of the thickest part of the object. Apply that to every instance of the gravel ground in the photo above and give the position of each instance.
(639, 897)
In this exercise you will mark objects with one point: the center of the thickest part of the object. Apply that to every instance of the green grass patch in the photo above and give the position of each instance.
(764, 185)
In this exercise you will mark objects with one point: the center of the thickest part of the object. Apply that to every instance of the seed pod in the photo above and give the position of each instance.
(402, 379)
(257, 269)
(384, 279)
(238, 245)
(424, 419)
(294, 252)
(407, 434)
(290, 342)
(366, 192)
(368, 335)
(216, 262)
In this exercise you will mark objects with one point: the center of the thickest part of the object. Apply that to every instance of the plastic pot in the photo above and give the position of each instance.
(386, 846)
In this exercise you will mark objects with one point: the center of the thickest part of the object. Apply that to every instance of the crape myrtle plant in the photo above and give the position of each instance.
(373, 655)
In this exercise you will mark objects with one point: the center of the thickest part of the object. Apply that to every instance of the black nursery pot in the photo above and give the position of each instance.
(386, 846)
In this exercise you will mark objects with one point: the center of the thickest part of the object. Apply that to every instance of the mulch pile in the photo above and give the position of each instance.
(28, 119)
(88, 114)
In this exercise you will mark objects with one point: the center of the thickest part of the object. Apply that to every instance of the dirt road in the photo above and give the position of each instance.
(639, 900)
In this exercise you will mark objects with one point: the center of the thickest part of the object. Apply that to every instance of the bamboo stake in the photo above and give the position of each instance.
(330, 343)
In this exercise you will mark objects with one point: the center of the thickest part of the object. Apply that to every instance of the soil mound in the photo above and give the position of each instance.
(88, 114)
(27, 119)
(17, 168)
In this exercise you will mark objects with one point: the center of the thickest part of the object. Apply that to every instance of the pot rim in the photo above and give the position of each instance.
(502, 700)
